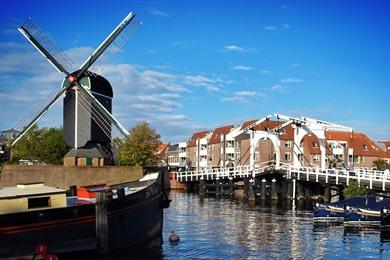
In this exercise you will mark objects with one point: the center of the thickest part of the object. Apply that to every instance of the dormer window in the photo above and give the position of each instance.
(266, 129)
(365, 147)
(315, 144)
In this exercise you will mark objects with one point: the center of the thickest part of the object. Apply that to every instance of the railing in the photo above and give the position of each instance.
(371, 177)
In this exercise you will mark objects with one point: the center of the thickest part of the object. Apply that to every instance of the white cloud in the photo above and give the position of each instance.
(291, 80)
(247, 93)
(242, 67)
(285, 26)
(265, 72)
(242, 96)
(235, 48)
(234, 99)
(277, 87)
(211, 85)
(271, 28)
(295, 65)
(157, 12)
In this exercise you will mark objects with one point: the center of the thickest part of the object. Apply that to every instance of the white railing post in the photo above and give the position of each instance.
(337, 177)
(385, 174)
(326, 176)
(317, 172)
(371, 180)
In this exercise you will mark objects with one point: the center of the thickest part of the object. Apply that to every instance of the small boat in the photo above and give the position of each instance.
(336, 211)
(133, 214)
(372, 213)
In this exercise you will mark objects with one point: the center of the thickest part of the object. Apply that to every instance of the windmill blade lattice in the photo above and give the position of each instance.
(115, 47)
(46, 47)
(128, 20)
(87, 103)
(28, 121)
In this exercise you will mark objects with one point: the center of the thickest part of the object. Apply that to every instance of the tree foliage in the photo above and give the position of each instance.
(353, 189)
(45, 145)
(381, 164)
(139, 149)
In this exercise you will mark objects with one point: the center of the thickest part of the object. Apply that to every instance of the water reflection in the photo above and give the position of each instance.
(224, 228)
(213, 228)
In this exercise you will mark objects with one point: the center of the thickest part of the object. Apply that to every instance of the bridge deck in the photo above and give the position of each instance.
(370, 178)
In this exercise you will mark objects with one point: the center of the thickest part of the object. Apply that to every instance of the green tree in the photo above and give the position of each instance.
(381, 164)
(140, 147)
(353, 189)
(46, 145)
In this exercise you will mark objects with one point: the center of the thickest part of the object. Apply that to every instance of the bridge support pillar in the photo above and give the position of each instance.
(300, 193)
(287, 189)
(263, 189)
(231, 186)
(341, 194)
(202, 189)
(274, 193)
(327, 194)
(218, 187)
(251, 193)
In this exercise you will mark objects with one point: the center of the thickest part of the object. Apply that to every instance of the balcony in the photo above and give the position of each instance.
(338, 151)
(229, 150)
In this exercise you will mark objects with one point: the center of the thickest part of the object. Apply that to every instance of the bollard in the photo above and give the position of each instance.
(263, 189)
(120, 192)
(101, 221)
(274, 193)
(73, 190)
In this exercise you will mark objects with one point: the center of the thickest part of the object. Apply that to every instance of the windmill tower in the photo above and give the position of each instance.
(89, 126)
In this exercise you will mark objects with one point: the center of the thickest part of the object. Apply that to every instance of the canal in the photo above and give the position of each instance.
(213, 228)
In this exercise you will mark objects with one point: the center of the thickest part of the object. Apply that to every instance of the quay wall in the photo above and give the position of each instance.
(65, 176)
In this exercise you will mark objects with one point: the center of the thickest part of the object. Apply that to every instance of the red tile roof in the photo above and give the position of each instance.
(161, 150)
(248, 123)
(312, 143)
(216, 136)
(361, 144)
(196, 136)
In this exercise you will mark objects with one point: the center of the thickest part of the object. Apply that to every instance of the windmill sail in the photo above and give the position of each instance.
(46, 47)
(26, 123)
(100, 114)
(107, 42)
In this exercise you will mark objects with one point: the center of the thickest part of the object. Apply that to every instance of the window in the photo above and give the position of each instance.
(287, 156)
(238, 143)
(315, 144)
(229, 144)
(266, 129)
(288, 143)
(316, 157)
(256, 156)
(365, 147)
(88, 161)
(40, 202)
(238, 156)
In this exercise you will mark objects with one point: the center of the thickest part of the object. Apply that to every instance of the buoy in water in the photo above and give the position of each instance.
(173, 238)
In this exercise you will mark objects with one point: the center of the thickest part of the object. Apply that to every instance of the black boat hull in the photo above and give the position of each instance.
(132, 219)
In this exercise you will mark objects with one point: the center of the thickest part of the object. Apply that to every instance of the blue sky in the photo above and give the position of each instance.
(195, 65)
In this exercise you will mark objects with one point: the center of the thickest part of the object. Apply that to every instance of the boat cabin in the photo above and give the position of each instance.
(32, 196)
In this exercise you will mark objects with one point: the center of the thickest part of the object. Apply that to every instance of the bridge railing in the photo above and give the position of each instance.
(371, 176)
(358, 174)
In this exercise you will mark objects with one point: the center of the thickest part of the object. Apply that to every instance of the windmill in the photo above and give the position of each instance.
(89, 126)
